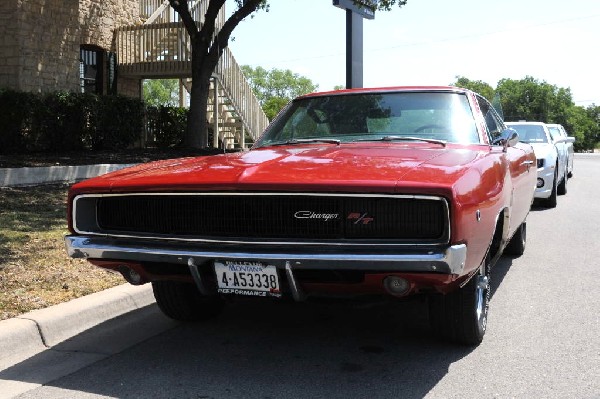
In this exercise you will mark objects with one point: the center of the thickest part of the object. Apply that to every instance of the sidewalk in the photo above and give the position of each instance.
(33, 332)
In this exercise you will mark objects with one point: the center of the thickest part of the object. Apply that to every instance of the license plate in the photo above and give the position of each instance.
(247, 278)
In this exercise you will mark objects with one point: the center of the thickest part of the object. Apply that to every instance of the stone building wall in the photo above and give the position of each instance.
(40, 40)
(48, 37)
(9, 45)
(99, 18)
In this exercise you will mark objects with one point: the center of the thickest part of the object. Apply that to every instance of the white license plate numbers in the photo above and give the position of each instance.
(247, 278)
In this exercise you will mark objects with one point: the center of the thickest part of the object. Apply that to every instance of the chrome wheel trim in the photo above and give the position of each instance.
(482, 295)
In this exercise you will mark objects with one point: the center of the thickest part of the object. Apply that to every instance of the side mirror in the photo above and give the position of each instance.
(508, 138)
(570, 139)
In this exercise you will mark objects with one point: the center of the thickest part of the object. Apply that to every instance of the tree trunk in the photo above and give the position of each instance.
(196, 132)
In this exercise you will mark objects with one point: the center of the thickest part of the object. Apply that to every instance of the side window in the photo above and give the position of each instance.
(554, 133)
(492, 121)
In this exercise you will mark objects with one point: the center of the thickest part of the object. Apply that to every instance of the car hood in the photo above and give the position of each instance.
(543, 150)
(347, 167)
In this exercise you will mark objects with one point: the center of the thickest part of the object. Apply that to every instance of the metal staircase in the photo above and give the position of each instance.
(160, 48)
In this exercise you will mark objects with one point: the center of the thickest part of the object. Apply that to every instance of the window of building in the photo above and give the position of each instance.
(97, 70)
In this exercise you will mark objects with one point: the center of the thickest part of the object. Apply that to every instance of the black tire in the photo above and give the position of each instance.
(183, 301)
(516, 245)
(461, 316)
(562, 187)
(551, 201)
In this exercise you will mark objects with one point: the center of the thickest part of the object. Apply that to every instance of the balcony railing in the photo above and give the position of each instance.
(162, 48)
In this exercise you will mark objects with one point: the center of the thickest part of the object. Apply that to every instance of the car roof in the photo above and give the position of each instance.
(391, 89)
(526, 123)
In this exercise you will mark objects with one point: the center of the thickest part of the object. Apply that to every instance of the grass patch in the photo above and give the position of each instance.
(35, 270)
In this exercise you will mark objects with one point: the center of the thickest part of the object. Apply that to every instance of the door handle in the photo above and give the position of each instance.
(528, 164)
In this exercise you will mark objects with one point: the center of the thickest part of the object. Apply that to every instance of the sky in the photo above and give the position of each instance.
(430, 42)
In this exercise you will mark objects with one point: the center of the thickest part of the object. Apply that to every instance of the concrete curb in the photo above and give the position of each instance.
(38, 330)
(10, 177)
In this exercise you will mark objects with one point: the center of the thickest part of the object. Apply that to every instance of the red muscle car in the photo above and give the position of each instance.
(367, 192)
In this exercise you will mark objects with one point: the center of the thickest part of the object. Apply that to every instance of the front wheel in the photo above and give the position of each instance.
(461, 316)
(183, 301)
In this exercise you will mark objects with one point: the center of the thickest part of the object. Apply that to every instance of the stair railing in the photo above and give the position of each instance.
(161, 47)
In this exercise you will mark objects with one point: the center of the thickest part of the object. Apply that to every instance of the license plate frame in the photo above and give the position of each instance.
(247, 278)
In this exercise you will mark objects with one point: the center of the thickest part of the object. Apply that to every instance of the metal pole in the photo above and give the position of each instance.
(354, 50)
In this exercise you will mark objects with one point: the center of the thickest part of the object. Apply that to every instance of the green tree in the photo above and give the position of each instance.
(593, 112)
(207, 47)
(478, 86)
(533, 100)
(275, 88)
(163, 92)
(580, 126)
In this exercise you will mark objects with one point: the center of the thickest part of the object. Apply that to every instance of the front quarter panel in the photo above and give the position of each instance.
(480, 190)
(480, 196)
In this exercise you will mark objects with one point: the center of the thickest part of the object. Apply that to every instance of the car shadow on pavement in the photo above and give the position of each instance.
(499, 272)
(256, 349)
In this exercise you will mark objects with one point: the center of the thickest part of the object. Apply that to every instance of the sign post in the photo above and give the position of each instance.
(356, 11)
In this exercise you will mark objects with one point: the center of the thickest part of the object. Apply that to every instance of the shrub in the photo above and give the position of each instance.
(65, 121)
(118, 122)
(15, 120)
(166, 125)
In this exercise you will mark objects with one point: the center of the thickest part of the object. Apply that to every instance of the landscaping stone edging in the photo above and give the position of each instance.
(12, 177)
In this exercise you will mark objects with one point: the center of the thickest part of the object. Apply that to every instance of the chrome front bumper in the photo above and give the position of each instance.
(450, 260)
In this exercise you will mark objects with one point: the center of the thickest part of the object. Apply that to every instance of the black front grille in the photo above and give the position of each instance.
(271, 217)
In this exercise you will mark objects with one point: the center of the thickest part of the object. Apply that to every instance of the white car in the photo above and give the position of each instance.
(558, 132)
(551, 160)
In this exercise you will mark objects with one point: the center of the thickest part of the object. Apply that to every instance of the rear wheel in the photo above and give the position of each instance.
(461, 316)
(516, 245)
(183, 301)
(562, 187)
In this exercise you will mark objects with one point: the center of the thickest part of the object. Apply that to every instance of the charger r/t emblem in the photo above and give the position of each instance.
(359, 218)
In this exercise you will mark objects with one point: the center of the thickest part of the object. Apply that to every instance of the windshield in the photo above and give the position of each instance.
(530, 133)
(444, 116)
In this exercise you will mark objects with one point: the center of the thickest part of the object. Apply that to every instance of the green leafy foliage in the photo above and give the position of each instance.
(119, 122)
(15, 123)
(166, 126)
(533, 100)
(161, 92)
(530, 99)
(477, 86)
(65, 121)
(275, 88)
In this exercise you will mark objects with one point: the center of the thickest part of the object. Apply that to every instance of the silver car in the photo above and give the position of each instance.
(558, 132)
(551, 160)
